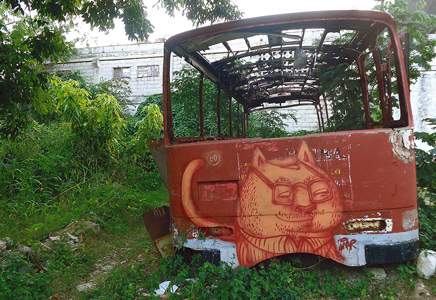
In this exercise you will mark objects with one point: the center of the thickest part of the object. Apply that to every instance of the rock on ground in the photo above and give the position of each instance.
(426, 263)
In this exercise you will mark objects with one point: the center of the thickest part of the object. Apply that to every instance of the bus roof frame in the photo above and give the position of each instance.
(368, 24)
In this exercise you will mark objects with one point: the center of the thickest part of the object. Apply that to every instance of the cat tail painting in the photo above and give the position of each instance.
(286, 205)
(296, 136)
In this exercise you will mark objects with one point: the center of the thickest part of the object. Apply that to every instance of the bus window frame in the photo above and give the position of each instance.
(204, 68)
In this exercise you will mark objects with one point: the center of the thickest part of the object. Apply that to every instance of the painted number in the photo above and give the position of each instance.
(214, 158)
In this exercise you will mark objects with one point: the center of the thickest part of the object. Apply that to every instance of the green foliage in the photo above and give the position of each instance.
(19, 279)
(200, 12)
(97, 124)
(116, 87)
(269, 124)
(427, 211)
(418, 24)
(426, 160)
(25, 43)
(32, 32)
(408, 273)
(198, 280)
(185, 104)
(426, 179)
(186, 110)
(47, 185)
(341, 83)
(99, 14)
(150, 125)
(31, 276)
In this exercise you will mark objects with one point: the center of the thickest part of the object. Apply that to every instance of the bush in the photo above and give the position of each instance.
(20, 280)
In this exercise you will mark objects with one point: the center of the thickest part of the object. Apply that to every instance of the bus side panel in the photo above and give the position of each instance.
(316, 194)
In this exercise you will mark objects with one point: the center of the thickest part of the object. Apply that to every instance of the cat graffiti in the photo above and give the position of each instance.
(286, 205)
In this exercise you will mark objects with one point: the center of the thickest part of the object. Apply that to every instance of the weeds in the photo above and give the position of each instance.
(198, 280)
(20, 280)
(47, 184)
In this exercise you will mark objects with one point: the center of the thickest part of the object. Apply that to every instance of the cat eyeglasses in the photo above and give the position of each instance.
(319, 190)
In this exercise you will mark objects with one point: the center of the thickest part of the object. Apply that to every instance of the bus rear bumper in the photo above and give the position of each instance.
(356, 250)
(392, 253)
(372, 249)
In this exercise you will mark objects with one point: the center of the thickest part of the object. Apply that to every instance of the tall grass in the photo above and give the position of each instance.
(47, 183)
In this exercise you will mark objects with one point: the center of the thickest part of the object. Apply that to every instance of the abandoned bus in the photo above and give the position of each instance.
(243, 192)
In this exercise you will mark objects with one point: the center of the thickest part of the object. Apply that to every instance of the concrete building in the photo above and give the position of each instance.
(141, 65)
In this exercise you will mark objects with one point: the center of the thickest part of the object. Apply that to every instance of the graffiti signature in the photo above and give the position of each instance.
(346, 244)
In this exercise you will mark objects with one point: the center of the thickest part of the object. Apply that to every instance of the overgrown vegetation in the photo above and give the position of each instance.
(341, 83)
(277, 279)
(426, 180)
(89, 162)
(82, 165)
(33, 32)
(186, 110)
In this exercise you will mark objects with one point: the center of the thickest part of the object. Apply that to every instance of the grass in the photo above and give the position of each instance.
(48, 183)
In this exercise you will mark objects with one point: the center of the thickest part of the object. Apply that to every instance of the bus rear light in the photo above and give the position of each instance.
(216, 231)
(355, 226)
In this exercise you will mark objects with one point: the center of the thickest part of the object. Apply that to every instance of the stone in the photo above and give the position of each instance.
(421, 291)
(426, 263)
(84, 287)
(107, 267)
(379, 273)
(78, 229)
(3, 246)
(71, 237)
(25, 250)
(9, 242)
(54, 238)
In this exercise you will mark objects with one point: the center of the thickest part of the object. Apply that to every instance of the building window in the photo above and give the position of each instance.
(122, 72)
(148, 71)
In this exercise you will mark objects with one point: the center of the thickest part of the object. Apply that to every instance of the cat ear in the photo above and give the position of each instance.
(305, 154)
(258, 159)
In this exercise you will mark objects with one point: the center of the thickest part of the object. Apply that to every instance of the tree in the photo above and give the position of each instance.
(186, 110)
(32, 31)
(96, 123)
(117, 87)
(418, 24)
(341, 82)
(25, 42)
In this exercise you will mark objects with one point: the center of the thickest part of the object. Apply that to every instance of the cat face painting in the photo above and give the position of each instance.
(286, 205)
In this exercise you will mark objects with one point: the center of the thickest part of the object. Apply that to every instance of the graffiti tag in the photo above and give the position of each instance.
(345, 243)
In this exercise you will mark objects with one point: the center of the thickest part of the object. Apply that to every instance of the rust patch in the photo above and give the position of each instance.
(157, 223)
(216, 231)
(359, 226)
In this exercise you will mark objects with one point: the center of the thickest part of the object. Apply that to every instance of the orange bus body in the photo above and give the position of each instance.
(349, 196)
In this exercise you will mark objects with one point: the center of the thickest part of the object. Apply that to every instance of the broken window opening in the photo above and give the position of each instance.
(123, 72)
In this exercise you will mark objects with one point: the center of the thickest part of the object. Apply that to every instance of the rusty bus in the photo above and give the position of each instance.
(348, 195)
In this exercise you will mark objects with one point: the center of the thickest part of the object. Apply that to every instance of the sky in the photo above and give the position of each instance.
(166, 26)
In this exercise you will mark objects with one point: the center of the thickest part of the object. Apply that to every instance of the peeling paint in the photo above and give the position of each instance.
(410, 219)
(402, 144)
